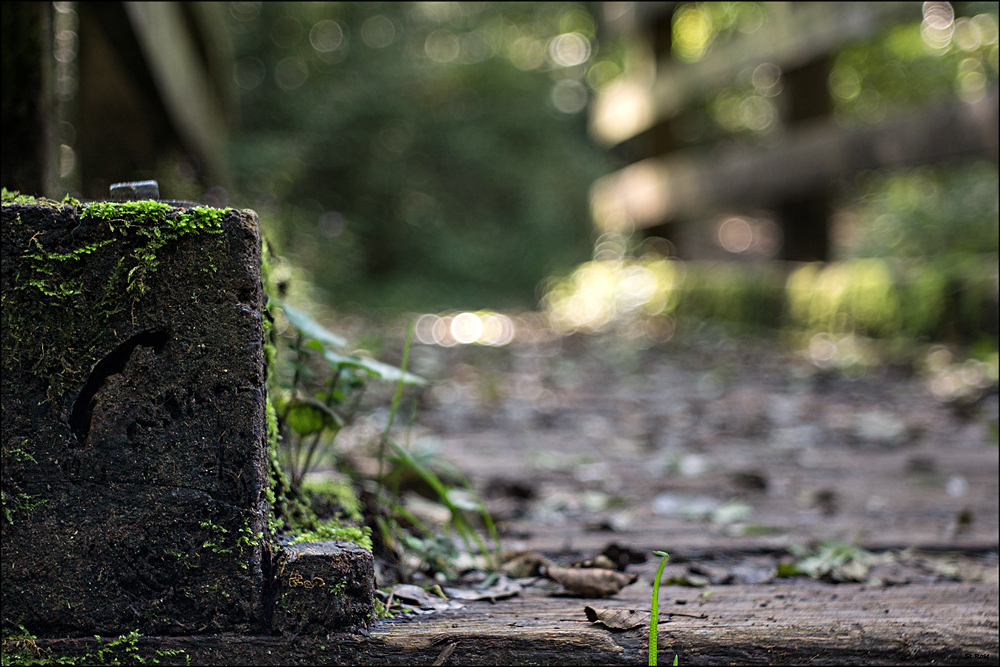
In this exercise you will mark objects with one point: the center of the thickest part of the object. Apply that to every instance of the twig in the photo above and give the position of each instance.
(445, 654)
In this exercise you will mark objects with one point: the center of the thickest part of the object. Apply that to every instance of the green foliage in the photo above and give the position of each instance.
(417, 146)
(902, 68)
(942, 211)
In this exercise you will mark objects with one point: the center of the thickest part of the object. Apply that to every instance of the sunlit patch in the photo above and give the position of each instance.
(498, 330)
(482, 328)
(423, 329)
(966, 381)
(854, 296)
(966, 35)
(466, 328)
(693, 32)
(623, 109)
(442, 332)
(609, 292)
(822, 349)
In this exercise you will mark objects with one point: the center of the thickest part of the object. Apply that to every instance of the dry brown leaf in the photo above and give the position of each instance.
(423, 599)
(600, 561)
(617, 619)
(589, 582)
(503, 588)
(525, 564)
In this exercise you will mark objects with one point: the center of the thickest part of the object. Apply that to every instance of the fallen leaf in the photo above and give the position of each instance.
(590, 582)
(600, 561)
(685, 579)
(504, 588)
(617, 619)
(424, 599)
(525, 564)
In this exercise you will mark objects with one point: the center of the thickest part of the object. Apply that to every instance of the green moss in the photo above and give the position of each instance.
(47, 309)
(339, 494)
(15, 197)
(19, 648)
(20, 503)
(16, 503)
(333, 530)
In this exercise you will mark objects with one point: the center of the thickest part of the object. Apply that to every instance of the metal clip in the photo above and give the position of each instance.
(135, 191)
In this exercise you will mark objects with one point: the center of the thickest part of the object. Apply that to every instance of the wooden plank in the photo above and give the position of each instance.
(812, 623)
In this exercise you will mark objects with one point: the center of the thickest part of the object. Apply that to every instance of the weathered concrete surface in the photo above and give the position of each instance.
(323, 586)
(134, 430)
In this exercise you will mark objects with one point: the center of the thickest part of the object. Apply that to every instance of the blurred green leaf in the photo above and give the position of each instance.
(377, 369)
(307, 416)
(309, 327)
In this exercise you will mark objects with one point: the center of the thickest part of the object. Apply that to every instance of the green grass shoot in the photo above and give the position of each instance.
(654, 610)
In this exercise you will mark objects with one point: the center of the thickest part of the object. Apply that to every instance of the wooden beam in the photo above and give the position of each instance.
(693, 183)
(794, 36)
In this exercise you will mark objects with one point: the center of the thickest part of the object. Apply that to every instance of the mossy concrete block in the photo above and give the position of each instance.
(323, 587)
(134, 431)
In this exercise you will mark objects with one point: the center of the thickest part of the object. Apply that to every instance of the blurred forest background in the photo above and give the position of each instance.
(573, 157)
(418, 156)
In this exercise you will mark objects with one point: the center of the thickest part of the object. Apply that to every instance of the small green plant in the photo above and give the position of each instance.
(324, 393)
(315, 391)
(654, 609)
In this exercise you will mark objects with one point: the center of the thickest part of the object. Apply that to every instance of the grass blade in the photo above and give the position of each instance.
(654, 610)
(397, 397)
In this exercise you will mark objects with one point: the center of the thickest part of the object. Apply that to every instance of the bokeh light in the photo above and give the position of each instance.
(326, 36)
(291, 73)
(606, 291)
(466, 328)
(569, 49)
(442, 46)
(378, 31)
(569, 96)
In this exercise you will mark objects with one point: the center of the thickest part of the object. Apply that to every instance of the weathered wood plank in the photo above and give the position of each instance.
(789, 38)
(797, 623)
(691, 183)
